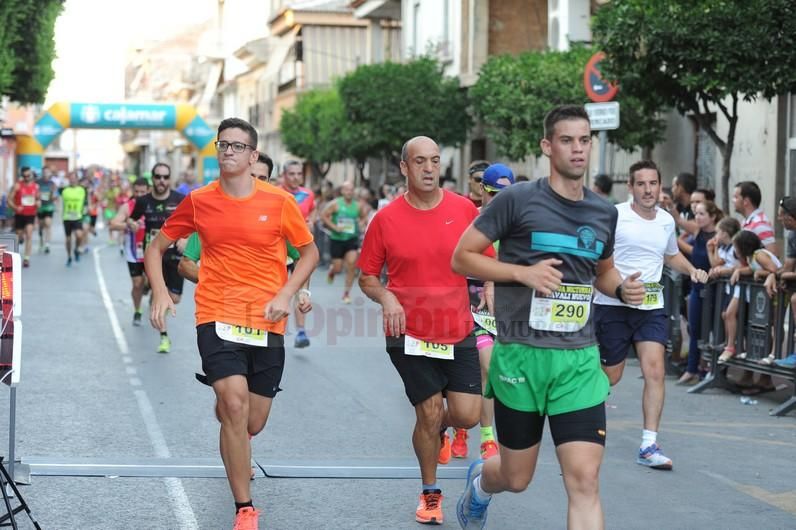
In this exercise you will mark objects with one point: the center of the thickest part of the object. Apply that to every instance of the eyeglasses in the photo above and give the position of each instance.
(477, 180)
(237, 147)
(161, 177)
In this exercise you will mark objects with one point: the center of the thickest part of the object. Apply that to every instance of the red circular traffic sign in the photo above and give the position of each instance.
(598, 89)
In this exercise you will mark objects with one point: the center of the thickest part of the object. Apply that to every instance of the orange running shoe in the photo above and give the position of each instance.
(246, 519)
(445, 448)
(459, 445)
(489, 449)
(429, 510)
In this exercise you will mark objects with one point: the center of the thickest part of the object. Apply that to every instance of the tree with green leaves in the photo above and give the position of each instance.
(514, 92)
(27, 48)
(389, 103)
(316, 129)
(701, 57)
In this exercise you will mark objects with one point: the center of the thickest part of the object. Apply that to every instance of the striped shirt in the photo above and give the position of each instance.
(758, 223)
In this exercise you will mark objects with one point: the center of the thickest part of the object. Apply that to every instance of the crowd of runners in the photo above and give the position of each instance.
(508, 308)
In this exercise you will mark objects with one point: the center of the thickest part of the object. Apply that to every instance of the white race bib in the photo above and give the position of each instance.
(653, 298)
(242, 334)
(347, 225)
(139, 250)
(45, 195)
(486, 321)
(565, 310)
(28, 200)
(413, 346)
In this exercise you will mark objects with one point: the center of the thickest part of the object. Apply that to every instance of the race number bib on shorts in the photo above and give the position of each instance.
(242, 334)
(413, 346)
(28, 200)
(486, 321)
(565, 310)
(653, 297)
(347, 225)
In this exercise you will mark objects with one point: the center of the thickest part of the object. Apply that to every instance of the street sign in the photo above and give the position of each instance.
(603, 116)
(597, 88)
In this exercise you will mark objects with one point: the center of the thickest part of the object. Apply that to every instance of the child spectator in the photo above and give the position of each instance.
(758, 261)
(723, 262)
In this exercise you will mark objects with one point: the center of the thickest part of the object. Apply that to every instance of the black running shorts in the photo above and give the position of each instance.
(423, 376)
(339, 248)
(262, 366)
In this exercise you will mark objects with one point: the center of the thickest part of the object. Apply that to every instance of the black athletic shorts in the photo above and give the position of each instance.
(174, 281)
(136, 269)
(92, 221)
(44, 215)
(338, 249)
(520, 430)
(423, 376)
(262, 366)
(71, 226)
(21, 221)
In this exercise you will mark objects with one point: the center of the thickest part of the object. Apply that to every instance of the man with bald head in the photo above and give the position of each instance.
(426, 310)
(345, 220)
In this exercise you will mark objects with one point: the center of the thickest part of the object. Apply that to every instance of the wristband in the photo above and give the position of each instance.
(618, 293)
(305, 291)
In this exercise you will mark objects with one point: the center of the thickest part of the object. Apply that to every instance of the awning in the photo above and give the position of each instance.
(277, 57)
(212, 84)
(379, 9)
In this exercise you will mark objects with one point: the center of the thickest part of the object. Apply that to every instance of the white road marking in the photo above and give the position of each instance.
(179, 499)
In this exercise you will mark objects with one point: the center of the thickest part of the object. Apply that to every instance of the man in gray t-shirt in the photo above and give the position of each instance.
(556, 245)
(532, 222)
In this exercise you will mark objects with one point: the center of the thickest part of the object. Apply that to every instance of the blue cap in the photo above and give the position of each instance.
(496, 177)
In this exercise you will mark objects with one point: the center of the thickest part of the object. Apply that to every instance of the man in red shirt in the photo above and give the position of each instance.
(427, 320)
(292, 180)
(24, 200)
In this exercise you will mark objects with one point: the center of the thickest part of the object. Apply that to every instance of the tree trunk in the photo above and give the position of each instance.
(726, 158)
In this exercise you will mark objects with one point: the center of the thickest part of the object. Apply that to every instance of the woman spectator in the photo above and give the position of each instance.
(706, 215)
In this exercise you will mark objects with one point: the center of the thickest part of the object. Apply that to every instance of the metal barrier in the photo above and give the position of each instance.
(760, 331)
(672, 299)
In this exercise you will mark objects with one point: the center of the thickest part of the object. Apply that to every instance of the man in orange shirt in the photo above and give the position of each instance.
(243, 224)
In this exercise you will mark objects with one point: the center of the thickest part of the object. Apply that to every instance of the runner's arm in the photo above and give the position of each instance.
(188, 269)
(119, 222)
(279, 306)
(326, 215)
(681, 264)
(609, 282)
(153, 264)
(11, 195)
(394, 318)
(469, 260)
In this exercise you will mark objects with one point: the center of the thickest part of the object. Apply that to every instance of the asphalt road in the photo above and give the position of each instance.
(93, 396)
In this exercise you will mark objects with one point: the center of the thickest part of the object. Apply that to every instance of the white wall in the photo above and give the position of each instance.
(424, 26)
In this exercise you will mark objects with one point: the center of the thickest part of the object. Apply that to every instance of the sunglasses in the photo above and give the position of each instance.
(161, 177)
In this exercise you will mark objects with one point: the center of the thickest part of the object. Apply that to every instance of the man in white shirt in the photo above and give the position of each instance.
(645, 240)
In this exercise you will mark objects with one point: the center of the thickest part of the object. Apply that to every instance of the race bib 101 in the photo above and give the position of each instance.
(242, 334)
(565, 310)
(413, 346)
